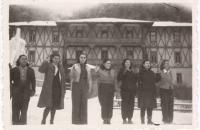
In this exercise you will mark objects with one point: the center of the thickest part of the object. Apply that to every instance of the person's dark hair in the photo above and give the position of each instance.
(103, 62)
(18, 60)
(52, 56)
(83, 53)
(162, 65)
(142, 66)
(123, 63)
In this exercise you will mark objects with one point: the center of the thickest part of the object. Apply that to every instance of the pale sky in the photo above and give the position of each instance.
(67, 7)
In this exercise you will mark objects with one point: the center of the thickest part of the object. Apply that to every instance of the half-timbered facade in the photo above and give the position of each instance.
(111, 38)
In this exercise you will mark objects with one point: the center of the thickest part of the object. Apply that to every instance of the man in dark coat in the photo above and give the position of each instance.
(22, 85)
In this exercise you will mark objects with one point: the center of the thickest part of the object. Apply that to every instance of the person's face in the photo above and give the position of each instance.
(107, 64)
(127, 64)
(147, 65)
(82, 59)
(166, 65)
(23, 61)
(56, 59)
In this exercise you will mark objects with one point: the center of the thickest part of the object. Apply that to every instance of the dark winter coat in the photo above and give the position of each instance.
(15, 83)
(147, 89)
(128, 80)
(45, 99)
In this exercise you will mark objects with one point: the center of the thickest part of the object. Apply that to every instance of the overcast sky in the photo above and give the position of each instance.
(69, 6)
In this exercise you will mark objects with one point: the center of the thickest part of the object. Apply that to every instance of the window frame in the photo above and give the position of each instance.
(154, 57)
(103, 54)
(30, 54)
(179, 78)
(32, 35)
(55, 38)
(176, 59)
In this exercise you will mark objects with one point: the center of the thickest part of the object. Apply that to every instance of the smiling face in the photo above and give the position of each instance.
(127, 64)
(147, 65)
(56, 59)
(107, 64)
(82, 59)
(23, 61)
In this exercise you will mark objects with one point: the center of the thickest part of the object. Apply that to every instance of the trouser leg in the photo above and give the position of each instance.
(149, 114)
(110, 96)
(24, 109)
(75, 105)
(124, 105)
(171, 106)
(142, 115)
(131, 105)
(164, 105)
(83, 110)
(16, 106)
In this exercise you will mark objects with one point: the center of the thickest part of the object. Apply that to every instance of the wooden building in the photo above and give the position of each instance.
(112, 38)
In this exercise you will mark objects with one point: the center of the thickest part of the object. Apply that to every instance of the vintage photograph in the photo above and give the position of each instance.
(95, 64)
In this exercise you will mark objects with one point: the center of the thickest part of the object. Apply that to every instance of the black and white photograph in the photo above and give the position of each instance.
(112, 64)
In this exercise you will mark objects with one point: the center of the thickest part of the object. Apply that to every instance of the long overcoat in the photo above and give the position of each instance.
(45, 99)
(147, 89)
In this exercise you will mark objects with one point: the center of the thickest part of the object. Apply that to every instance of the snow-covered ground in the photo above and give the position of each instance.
(63, 117)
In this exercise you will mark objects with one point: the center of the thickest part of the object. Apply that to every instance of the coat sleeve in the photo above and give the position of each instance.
(120, 75)
(44, 67)
(117, 88)
(11, 81)
(63, 76)
(72, 72)
(33, 80)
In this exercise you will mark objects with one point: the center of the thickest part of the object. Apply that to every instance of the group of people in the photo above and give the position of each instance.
(125, 82)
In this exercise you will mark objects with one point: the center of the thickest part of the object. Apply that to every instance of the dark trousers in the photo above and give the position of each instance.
(106, 95)
(167, 104)
(128, 99)
(149, 114)
(19, 110)
(79, 104)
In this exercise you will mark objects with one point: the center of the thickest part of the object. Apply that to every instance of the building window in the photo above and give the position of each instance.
(129, 54)
(153, 36)
(79, 33)
(104, 33)
(177, 37)
(179, 78)
(12, 32)
(55, 36)
(55, 52)
(177, 57)
(78, 53)
(31, 56)
(104, 54)
(153, 57)
(32, 36)
(129, 34)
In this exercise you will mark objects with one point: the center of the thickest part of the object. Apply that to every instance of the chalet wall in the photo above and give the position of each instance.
(119, 40)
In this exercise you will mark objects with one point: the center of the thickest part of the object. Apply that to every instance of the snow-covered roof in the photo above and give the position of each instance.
(170, 24)
(34, 23)
(103, 20)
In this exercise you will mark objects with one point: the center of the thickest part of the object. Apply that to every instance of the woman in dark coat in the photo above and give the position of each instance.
(106, 87)
(166, 92)
(81, 86)
(53, 89)
(128, 86)
(147, 91)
